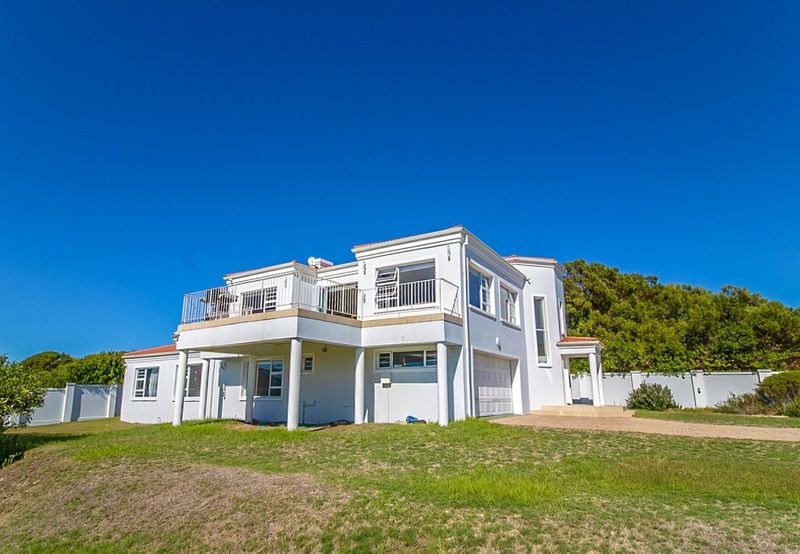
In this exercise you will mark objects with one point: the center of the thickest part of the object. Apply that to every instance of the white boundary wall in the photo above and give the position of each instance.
(694, 389)
(76, 403)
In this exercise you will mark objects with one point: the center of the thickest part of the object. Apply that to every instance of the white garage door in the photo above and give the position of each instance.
(493, 381)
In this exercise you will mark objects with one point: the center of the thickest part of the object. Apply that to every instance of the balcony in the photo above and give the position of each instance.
(308, 292)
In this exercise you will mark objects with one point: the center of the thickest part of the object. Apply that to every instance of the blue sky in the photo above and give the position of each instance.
(147, 148)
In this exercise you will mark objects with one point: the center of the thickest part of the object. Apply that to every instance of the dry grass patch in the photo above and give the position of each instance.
(147, 506)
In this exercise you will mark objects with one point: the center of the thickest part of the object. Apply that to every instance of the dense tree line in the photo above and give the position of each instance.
(55, 369)
(649, 326)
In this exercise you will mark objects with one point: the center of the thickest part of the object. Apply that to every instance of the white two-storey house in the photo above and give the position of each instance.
(435, 326)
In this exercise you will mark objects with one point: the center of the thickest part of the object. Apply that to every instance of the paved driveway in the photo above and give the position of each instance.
(656, 426)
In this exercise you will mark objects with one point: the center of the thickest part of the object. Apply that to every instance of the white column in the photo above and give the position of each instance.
(566, 382)
(295, 360)
(441, 380)
(358, 413)
(69, 400)
(203, 388)
(180, 387)
(600, 386)
(250, 389)
(593, 376)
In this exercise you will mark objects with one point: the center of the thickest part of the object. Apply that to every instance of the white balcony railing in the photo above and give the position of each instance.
(307, 292)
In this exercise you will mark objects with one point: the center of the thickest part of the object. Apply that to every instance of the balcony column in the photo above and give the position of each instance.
(203, 388)
(441, 380)
(358, 415)
(180, 387)
(295, 361)
(250, 389)
(596, 401)
(566, 381)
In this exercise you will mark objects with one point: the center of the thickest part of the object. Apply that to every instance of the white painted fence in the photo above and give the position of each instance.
(694, 389)
(76, 403)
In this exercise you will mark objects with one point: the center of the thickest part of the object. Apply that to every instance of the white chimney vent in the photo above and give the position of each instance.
(319, 263)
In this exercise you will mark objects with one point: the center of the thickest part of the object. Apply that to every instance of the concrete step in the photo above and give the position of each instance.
(583, 410)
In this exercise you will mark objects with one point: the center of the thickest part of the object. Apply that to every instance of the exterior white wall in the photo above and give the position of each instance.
(159, 409)
(690, 390)
(545, 382)
(75, 403)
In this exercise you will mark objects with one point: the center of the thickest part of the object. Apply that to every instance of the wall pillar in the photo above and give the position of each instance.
(593, 377)
(601, 388)
(565, 381)
(203, 388)
(180, 387)
(69, 399)
(111, 406)
(250, 388)
(358, 411)
(295, 361)
(441, 380)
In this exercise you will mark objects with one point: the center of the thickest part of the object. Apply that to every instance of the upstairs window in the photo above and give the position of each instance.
(407, 285)
(480, 290)
(540, 325)
(145, 383)
(508, 305)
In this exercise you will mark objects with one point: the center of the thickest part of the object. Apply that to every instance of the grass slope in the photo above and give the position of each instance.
(474, 485)
(691, 416)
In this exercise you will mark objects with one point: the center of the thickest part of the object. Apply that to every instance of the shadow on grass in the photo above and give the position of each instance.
(14, 445)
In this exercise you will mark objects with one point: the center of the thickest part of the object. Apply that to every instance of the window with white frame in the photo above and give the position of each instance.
(406, 285)
(508, 305)
(562, 318)
(480, 290)
(406, 359)
(540, 325)
(145, 382)
(308, 363)
(269, 380)
(193, 376)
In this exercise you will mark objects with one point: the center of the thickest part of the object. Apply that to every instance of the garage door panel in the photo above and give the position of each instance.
(493, 383)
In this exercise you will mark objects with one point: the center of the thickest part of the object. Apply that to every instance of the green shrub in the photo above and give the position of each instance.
(781, 388)
(745, 404)
(651, 396)
(791, 409)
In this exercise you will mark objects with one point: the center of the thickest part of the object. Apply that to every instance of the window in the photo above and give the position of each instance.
(407, 359)
(540, 324)
(508, 305)
(480, 290)
(562, 318)
(384, 360)
(145, 383)
(259, 301)
(193, 375)
(308, 363)
(269, 381)
(408, 285)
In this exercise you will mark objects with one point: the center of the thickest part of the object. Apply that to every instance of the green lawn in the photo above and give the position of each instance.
(691, 416)
(475, 485)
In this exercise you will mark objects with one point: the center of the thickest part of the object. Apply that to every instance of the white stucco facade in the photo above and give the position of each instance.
(435, 326)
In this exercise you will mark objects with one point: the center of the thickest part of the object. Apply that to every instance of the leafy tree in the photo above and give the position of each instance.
(20, 390)
(649, 326)
(54, 369)
(50, 367)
